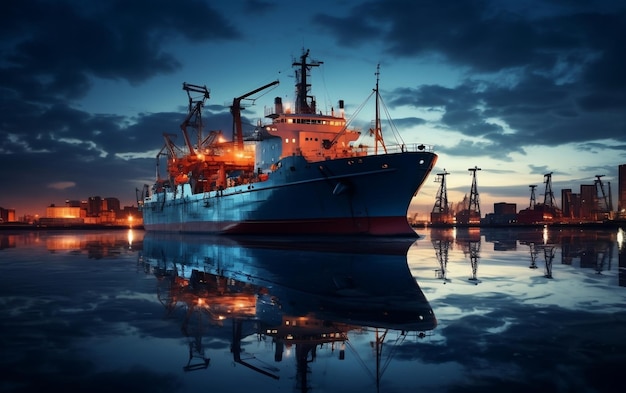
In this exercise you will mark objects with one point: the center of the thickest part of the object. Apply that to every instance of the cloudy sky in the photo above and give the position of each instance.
(519, 88)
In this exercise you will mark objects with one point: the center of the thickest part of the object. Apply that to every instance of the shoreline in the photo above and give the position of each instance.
(604, 224)
(35, 227)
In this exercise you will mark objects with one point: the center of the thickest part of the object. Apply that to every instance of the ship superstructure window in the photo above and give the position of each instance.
(286, 140)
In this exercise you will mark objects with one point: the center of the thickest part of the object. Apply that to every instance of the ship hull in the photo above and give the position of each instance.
(361, 195)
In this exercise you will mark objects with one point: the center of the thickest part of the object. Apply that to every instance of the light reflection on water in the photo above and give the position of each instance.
(459, 309)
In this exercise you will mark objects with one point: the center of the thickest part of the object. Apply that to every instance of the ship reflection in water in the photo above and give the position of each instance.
(299, 299)
(522, 309)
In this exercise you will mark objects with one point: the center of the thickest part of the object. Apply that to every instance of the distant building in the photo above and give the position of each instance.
(73, 203)
(588, 202)
(7, 215)
(503, 213)
(53, 211)
(94, 206)
(62, 215)
(504, 208)
(111, 204)
(567, 203)
(575, 206)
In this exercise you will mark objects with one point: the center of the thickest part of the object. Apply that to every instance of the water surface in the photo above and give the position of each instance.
(456, 310)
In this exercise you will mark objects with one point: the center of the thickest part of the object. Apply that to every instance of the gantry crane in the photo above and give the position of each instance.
(548, 196)
(533, 199)
(605, 203)
(474, 204)
(441, 209)
(540, 212)
(471, 215)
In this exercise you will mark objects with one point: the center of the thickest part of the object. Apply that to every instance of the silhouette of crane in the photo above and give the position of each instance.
(471, 215)
(548, 196)
(605, 204)
(474, 204)
(533, 199)
(441, 209)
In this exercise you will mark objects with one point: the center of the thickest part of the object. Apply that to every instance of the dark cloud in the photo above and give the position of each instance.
(351, 30)
(256, 7)
(409, 122)
(57, 45)
(475, 149)
(553, 76)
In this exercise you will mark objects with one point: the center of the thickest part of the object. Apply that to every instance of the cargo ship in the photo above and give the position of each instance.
(300, 172)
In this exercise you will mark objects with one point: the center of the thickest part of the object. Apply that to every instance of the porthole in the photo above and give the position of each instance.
(385, 166)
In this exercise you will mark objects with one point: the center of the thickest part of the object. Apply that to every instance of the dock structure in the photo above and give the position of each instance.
(442, 213)
(471, 214)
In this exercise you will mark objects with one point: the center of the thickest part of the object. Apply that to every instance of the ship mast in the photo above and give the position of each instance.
(377, 130)
(303, 87)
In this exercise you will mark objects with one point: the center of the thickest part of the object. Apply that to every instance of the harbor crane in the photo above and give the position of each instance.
(235, 110)
(548, 196)
(474, 204)
(441, 202)
(533, 199)
(471, 214)
(441, 209)
(605, 204)
(194, 115)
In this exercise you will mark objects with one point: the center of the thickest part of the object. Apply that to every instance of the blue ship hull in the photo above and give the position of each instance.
(361, 195)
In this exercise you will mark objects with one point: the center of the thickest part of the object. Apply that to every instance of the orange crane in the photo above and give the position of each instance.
(194, 117)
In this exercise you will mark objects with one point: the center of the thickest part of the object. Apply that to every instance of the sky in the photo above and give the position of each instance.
(517, 88)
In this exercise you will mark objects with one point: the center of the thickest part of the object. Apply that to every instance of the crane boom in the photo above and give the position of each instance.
(194, 115)
(235, 110)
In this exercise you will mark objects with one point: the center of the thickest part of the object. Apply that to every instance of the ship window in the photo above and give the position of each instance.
(289, 121)
(293, 140)
(286, 140)
(385, 166)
